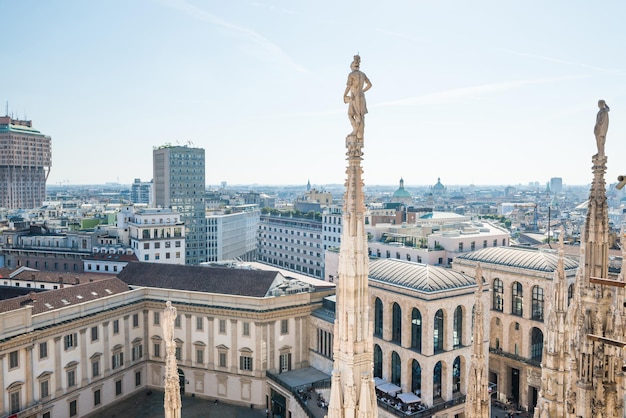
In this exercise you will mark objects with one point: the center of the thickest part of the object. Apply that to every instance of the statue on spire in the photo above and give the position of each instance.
(602, 126)
(357, 85)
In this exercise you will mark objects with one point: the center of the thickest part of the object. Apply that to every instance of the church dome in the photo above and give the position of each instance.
(401, 193)
(438, 186)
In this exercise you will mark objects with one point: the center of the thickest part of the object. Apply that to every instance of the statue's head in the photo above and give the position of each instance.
(601, 104)
(356, 63)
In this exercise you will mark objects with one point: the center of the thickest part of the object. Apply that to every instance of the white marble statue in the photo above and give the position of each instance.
(602, 126)
(357, 85)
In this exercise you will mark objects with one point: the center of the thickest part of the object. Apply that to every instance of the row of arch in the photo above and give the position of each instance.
(517, 299)
(416, 326)
(438, 372)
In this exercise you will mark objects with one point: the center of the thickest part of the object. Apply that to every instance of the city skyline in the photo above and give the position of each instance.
(490, 93)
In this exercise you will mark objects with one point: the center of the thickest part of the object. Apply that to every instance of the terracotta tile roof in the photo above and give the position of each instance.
(60, 298)
(60, 277)
(231, 281)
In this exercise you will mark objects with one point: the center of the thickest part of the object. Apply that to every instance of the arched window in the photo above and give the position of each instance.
(378, 361)
(396, 369)
(517, 299)
(457, 333)
(416, 330)
(456, 375)
(537, 304)
(498, 296)
(416, 377)
(437, 380)
(536, 344)
(378, 317)
(570, 293)
(438, 335)
(396, 324)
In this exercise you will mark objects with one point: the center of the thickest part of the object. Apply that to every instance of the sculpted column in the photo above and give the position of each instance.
(172, 402)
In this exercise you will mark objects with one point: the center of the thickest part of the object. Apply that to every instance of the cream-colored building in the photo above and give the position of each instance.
(70, 352)
(520, 281)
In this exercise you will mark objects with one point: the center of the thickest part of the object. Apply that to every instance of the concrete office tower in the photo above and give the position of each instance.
(25, 163)
(179, 185)
(556, 185)
(352, 391)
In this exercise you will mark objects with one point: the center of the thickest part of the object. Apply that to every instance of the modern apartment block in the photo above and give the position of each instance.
(155, 234)
(292, 243)
(233, 235)
(179, 184)
(25, 163)
(141, 192)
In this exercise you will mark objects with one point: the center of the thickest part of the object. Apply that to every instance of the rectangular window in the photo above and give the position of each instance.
(178, 354)
(246, 329)
(44, 388)
(200, 356)
(117, 360)
(118, 387)
(146, 245)
(284, 326)
(285, 362)
(222, 360)
(137, 352)
(135, 320)
(245, 363)
(138, 378)
(199, 323)
(71, 378)
(94, 333)
(14, 360)
(96, 397)
(222, 326)
(157, 350)
(95, 368)
(116, 326)
(15, 402)
(177, 321)
(157, 245)
(70, 341)
(157, 318)
(73, 408)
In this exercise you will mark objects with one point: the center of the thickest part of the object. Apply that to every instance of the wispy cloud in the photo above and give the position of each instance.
(445, 96)
(560, 61)
(247, 33)
(400, 35)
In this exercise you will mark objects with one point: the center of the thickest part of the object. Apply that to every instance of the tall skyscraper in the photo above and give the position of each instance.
(25, 163)
(179, 184)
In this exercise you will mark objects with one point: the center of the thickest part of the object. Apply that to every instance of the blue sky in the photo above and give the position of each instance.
(480, 92)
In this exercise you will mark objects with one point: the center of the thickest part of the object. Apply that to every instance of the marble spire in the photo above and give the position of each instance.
(596, 313)
(352, 389)
(555, 364)
(478, 403)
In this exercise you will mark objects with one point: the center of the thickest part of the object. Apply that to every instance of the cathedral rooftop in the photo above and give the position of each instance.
(420, 277)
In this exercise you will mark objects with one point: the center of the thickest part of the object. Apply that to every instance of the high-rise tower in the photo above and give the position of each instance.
(179, 184)
(25, 163)
(352, 391)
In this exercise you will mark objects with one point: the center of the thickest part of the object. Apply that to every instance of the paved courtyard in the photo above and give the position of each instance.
(142, 405)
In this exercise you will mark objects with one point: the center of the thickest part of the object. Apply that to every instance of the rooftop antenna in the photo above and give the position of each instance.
(7, 109)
